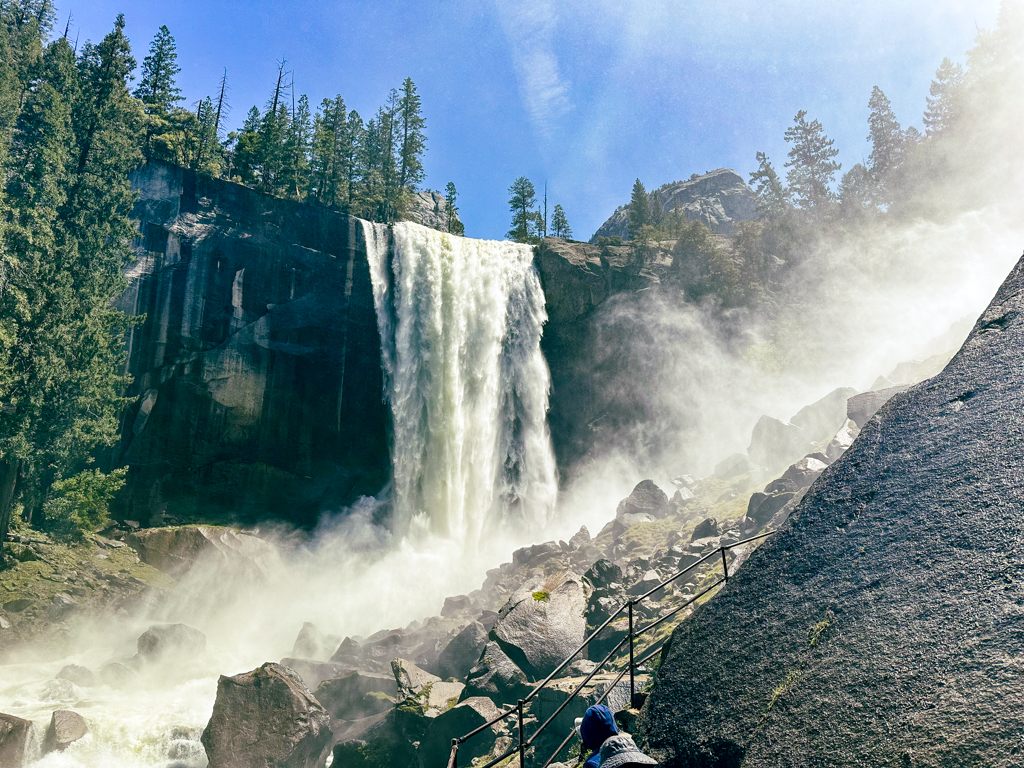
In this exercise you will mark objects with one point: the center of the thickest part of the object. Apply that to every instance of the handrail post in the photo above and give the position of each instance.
(725, 565)
(632, 678)
(453, 759)
(522, 735)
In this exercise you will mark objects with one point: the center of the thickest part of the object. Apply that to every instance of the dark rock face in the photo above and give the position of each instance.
(266, 718)
(719, 199)
(257, 377)
(881, 626)
(16, 741)
(163, 642)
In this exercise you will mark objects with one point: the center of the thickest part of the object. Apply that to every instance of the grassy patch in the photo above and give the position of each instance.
(783, 688)
(816, 631)
(541, 596)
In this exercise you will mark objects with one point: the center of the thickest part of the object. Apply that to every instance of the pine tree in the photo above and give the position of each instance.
(245, 156)
(812, 163)
(639, 211)
(522, 200)
(857, 192)
(295, 179)
(560, 223)
(772, 199)
(353, 149)
(411, 130)
(888, 143)
(329, 153)
(942, 109)
(160, 95)
(451, 210)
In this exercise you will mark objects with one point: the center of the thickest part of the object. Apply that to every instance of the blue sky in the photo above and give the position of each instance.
(585, 94)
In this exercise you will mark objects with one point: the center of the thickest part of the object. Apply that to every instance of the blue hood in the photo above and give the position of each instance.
(598, 724)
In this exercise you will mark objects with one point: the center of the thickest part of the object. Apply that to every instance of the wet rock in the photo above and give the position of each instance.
(411, 680)
(496, 675)
(453, 606)
(535, 554)
(603, 574)
(77, 674)
(708, 527)
(775, 443)
(66, 727)
(842, 441)
(357, 694)
(17, 741)
(163, 642)
(311, 643)
(646, 499)
(348, 651)
(763, 506)
(540, 628)
(821, 419)
(116, 674)
(581, 537)
(314, 672)
(461, 653)
(266, 717)
(467, 715)
(860, 408)
(176, 549)
(649, 580)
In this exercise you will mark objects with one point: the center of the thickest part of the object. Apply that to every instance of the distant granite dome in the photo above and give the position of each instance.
(426, 207)
(720, 199)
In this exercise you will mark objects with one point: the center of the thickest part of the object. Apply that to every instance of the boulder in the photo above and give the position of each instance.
(411, 680)
(314, 672)
(763, 506)
(390, 741)
(860, 408)
(77, 674)
(536, 553)
(464, 717)
(774, 443)
(17, 741)
(540, 628)
(164, 642)
(349, 651)
(646, 499)
(311, 643)
(66, 727)
(648, 580)
(495, 675)
(458, 657)
(264, 719)
(708, 527)
(821, 419)
(174, 550)
(453, 606)
(602, 574)
(357, 694)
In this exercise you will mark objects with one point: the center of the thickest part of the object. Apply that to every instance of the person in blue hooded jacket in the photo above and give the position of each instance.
(608, 747)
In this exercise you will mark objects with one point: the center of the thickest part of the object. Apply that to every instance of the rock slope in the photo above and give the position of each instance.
(882, 626)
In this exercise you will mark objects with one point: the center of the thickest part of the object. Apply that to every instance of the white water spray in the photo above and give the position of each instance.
(460, 323)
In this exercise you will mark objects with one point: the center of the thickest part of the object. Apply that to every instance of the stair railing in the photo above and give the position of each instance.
(523, 742)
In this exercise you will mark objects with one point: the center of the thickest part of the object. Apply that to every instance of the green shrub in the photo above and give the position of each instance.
(80, 504)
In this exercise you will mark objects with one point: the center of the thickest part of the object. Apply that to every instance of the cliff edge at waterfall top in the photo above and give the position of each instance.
(387, 384)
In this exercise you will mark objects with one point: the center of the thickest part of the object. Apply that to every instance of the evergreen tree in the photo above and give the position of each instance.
(451, 210)
(560, 223)
(857, 192)
(942, 97)
(639, 211)
(522, 200)
(772, 198)
(888, 143)
(353, 149)
(812, 163)
(330, 154)
(245, 157)
(295, 180)
(166, 125)
(412, 139)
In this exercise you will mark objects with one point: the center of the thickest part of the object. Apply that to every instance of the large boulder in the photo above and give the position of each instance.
(267, 719)
(311, 643)
(315, 672)
(466, 716)
(66, 727)
(539, 628)
(820, 420)
(357, 694)
(646, 500)
(495, 675)
(860, 408)
(882, 625)
(462, 652)
(17, 741)
(774, 443)
(175, 550)
(162, 643)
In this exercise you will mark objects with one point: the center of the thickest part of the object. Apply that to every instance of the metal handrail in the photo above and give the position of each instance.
(524, 742)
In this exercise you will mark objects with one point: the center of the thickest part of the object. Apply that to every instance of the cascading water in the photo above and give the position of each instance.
(460, 322)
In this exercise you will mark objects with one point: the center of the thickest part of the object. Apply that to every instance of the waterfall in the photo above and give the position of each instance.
(460, 322)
